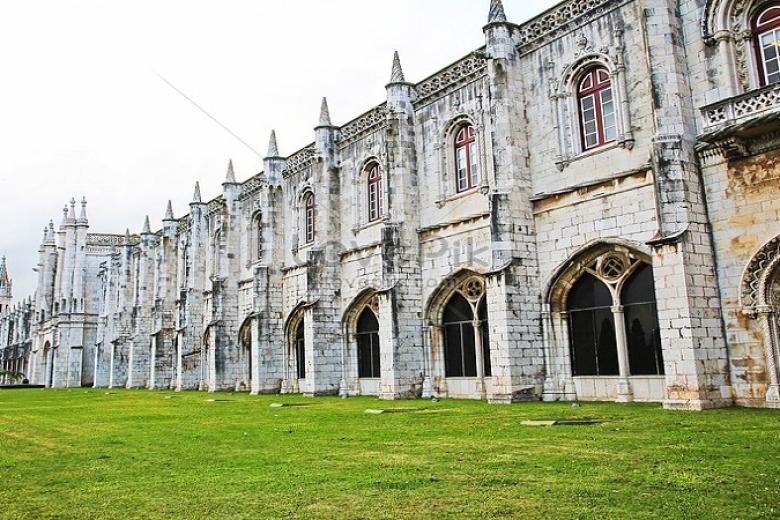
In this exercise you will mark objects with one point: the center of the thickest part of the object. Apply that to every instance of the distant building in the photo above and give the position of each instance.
(585, 208)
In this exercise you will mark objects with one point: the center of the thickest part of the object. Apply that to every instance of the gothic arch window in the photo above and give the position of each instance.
(257, 237)
(596, 105)
(766, 31)
(464, 324)
(593, 343)
(245, 338)
(374, 192)
(300, 349)
(309, 217)
(614, 288)
(368, 344)
(466, 158)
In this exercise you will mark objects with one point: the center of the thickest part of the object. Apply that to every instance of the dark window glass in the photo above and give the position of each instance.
(485, 329)
(300, 351)
(459, 354)
(368, 345)
(592, 329)
(644, 339)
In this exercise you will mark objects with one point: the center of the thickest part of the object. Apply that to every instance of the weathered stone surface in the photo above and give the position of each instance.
(257, 291)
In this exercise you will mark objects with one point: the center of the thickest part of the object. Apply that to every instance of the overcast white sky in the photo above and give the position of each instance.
(82, 112)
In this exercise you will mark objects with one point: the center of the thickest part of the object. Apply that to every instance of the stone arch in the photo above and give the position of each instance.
(565, 275)
(760, 300)
(462, 294)
(434, 307)
(727, 24)
(352, 312)
(572, 355)
(757, 276)
(297, 315)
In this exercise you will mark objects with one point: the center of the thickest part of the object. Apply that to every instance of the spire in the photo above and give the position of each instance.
(325, 113)
(83, 214)
(3, 270)
(45, 235)
(397, 75)
(169, 212)
(196, 196)
(497, 14)
(51, 233)
(64, 216)
(147, 229)
(273, 148)
(72, 210)
(230, 178)
(127, 236)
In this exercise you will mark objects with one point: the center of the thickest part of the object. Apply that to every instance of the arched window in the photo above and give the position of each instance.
(466, 158)
(375, 203)
(766, 28)
(309, 217)
(257, 238)
(642, 331)
(463, 312)
(597, 108)
(300, 350)
(368, 345)
(245, 337)
(592, 328)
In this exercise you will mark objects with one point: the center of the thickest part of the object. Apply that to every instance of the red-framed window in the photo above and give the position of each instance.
(375, 203)
(766, 28)
(466, 158)
(309, 217)
(597, 109)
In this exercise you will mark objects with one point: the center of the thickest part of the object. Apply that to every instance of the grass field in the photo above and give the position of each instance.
(137, 454)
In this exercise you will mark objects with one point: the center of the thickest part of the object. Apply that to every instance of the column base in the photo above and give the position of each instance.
(773, 395)
(696, 405)
(427, 391)
(625, 393)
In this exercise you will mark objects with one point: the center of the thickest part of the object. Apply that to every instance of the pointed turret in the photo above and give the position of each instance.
(50, 241)
(397, 75)
(230, 176)
(147, 228)
(169, 212)
(325, 113)
(72, 211)
(273, 147)
(5, 287)
(127, 236)
(196, 196)
(64, 220)
(400, 93)
(273, 164)
(83, 215)
(496, 14)
(499, 42)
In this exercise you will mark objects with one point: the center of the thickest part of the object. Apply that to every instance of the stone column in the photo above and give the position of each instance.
(726, 51)
(624, 392)
(480, 357)
(769, 329)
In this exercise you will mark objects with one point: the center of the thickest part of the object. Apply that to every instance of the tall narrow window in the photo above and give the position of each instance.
(375, 209)
(642, 332)
(592, 328)
(461, 340)
(766, 27)
(597, 109)
(300, 351)
(309, 217)
(466, 158)
(258, 238)
(368, 345)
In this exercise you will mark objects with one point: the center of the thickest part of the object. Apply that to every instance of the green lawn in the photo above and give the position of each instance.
(138, 454)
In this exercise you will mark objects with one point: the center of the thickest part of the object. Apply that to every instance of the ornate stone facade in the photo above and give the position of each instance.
(481, 234)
